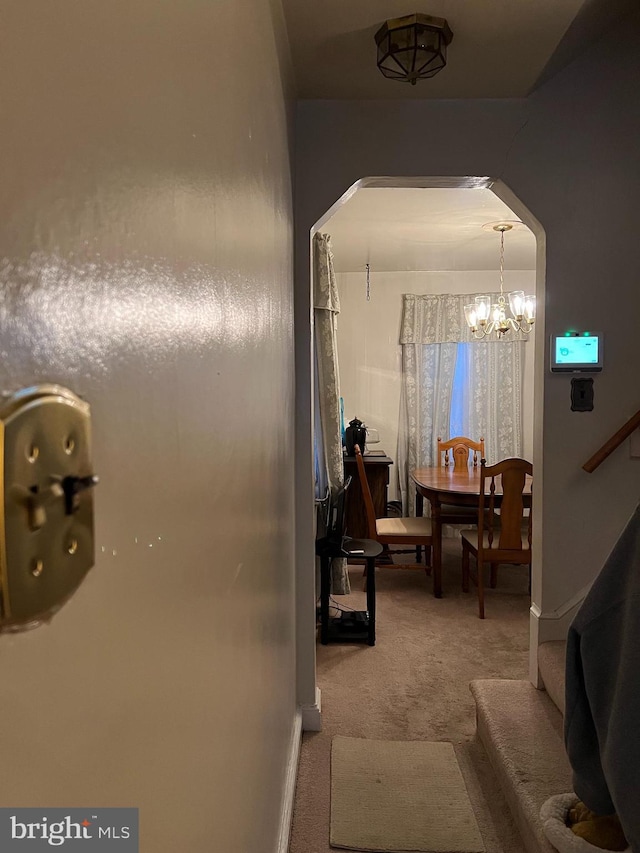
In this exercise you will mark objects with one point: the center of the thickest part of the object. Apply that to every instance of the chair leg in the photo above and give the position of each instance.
(419, 513)
(427, 559)
(465, 567)
(494, 575)
(480, 586)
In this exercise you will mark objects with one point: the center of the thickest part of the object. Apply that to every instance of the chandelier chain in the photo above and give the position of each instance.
(502, 262)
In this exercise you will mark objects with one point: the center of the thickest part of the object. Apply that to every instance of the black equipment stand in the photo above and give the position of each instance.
(357, 626)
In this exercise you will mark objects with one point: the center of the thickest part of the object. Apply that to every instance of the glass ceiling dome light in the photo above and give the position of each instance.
(413, 47)
(484, 318)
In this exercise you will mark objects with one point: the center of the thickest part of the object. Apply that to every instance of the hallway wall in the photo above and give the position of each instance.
(145, 245)
(569, 153)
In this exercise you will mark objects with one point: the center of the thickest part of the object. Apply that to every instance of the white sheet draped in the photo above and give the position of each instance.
(326, 307)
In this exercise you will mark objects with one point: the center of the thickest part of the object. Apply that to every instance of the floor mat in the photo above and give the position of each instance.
(400, 796)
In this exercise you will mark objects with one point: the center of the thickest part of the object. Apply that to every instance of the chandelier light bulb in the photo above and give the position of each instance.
(516, 303)
(471, 316)
(483, 309)
(530, 309)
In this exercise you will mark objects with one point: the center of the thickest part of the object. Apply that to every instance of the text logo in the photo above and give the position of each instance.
(74, 830)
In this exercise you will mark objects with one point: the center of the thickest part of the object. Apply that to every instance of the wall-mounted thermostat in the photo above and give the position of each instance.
(576, 352)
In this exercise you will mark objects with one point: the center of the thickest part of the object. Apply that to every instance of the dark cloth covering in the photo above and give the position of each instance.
(602, 717)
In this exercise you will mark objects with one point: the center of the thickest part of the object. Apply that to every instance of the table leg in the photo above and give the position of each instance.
(371, 599)
(436, 531)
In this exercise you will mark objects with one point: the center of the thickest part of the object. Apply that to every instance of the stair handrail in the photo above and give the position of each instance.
(615, 441)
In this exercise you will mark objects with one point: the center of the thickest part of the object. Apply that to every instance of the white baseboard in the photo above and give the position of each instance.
(534, 642)
(312, 715)
(548, 625)
(286, 815)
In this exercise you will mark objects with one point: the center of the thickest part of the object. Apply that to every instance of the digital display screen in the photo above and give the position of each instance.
(575, 352)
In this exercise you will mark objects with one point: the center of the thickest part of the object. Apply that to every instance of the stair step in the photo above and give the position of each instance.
(551, 664)
(521, 730)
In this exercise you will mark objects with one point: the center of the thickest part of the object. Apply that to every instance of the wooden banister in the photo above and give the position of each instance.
(615, 441)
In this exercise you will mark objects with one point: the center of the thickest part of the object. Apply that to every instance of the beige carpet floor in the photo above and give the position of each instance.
(414, 684)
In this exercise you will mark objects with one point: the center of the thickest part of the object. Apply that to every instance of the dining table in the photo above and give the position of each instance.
(443, 485)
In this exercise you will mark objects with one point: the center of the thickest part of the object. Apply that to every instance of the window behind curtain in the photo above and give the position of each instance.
(458, 423)
(452, 387)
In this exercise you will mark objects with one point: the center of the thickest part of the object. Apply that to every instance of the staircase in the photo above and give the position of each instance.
(521, 729)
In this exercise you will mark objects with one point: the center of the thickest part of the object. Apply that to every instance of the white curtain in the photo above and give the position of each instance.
(326, 307)
(431, 329)
(425, 403)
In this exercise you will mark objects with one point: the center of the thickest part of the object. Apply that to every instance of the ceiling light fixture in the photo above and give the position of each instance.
(483, 318)
(413, 47)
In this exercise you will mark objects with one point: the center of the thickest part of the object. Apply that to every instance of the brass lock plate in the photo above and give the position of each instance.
(46, 517)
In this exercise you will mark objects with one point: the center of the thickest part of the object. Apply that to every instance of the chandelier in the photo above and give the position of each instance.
(484, 319)
(413, 48)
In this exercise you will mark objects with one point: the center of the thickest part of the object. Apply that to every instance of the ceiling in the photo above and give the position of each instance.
(394, 229)
(500, 48)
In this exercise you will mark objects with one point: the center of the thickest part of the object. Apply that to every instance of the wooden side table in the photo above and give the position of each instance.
(377, 468)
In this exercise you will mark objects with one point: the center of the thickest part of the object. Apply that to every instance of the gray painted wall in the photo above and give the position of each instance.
(570, 154)
(146, 248)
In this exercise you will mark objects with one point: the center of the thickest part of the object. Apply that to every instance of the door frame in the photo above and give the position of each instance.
(308, 693)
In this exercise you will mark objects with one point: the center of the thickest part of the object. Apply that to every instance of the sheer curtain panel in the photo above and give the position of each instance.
(425, 403)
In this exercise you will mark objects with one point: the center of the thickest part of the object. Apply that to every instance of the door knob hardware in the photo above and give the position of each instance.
(46, 504)
(73, 488)
(35, 501)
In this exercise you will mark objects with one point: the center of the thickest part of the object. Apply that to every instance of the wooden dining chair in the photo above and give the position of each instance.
(394, 531)
(498, 539)
(461, 449)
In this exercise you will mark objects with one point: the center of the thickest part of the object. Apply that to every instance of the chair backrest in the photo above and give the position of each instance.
(460, 448)
(337, 510)
(504, 533)
(366, 494)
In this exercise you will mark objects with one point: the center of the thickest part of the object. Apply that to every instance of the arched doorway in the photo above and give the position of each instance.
(309, 697)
